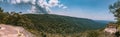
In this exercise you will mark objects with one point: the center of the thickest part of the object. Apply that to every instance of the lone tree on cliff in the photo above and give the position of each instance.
(115, 9)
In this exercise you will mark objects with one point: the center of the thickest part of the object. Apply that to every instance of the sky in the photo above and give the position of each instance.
(91, 9)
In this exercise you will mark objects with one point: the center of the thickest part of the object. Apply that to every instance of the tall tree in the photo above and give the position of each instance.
(115, 9)
(2, 15)
(1, 10)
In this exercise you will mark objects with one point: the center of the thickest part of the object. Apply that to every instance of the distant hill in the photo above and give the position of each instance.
(62, 24)
(103, 21)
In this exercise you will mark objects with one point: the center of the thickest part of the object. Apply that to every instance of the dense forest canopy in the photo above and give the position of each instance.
(14, 18)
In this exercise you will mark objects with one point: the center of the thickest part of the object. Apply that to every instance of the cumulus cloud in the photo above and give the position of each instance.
(53, 2)
(18, 1)
(39, 6)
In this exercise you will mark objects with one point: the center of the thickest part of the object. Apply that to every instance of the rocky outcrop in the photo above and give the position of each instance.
(13, 31)
(110, 30)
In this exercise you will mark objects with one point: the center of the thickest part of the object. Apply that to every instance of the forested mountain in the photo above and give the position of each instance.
(62, 24)
(49, 24)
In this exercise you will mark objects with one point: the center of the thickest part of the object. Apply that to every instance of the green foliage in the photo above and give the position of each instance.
(61, 24)
(115, 9)
(15, 19)
(1, 10)
(42, 24)
(92, 34)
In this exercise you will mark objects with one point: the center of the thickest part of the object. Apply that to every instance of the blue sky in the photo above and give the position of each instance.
(91, 9)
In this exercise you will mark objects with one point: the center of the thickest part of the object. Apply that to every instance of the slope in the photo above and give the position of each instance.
(62, 24)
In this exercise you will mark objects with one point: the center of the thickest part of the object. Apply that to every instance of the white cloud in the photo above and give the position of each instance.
(13, 1)
(64, 7)
(18, 1)
(32, 9)
(33, 1)
(53, 2)
(26, 1)
(61, 5)
(42, 4)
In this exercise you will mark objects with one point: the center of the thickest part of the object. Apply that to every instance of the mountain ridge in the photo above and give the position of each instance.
(62, 24)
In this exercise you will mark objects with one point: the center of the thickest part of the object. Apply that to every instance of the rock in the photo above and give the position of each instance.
(110, 30)
(13, 31)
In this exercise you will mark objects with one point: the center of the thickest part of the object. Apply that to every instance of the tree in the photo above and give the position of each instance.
(1, 10)
(2, 15)
(16, 19)
(115, 9)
